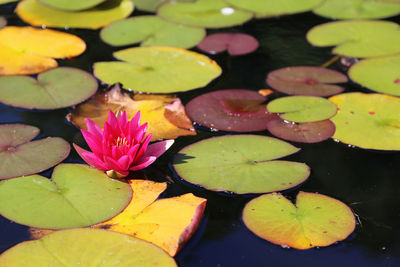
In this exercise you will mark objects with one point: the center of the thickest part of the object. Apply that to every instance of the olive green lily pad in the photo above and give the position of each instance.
(357, 9)
(151, 31)
(76, 196)
(204, 13)
(378, 74)
(358, 38)
(37, 14)
(270, 8)
(240, 164)
(86, 247)
(20, 156)
(302, 108)
(7, 1)
(158, 69)
(56, 88)
(370, 121)
(315, 220)
(71, 5)
(148, 5)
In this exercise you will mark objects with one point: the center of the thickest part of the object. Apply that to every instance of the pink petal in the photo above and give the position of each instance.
(135, 121)
(94, 144)
(123, 123)
(90, 158)
(112, 164)
(157, 149)
(133, 150)
(124, 162)
(143, 148)
(94, 128)
(112, 119)
(143, 163)
(140, 132)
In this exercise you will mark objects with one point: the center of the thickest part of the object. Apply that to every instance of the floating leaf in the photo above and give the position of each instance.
(302, 108)
(56, 88)
(370, 121)
(230, 110)
(37, 14)
(307, 132)
(271, 8)
(164, 114)
(158, 69)
(358, 38)
(76, 196)
(86, 247)
(315, 221)
(151, 31)
(234, 43)
(71, 5)
(18, 57)
(168, 223)
(306, 80)
(357, 9)
(7, 1)
(204, 13)
(148, 5)
(240, 164)
(378, 74)
(20, 156)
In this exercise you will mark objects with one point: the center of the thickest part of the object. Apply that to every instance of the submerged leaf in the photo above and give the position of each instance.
(163, 113)
(76, 196)
(19, 57)
(234, 43)
(20, 156)
(240, 164)
(315, 221)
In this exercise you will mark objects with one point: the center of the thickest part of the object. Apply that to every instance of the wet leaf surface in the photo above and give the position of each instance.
(71, 5)
(235, 43)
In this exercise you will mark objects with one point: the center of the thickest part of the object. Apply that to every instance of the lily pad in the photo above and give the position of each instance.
(20, 156)
(358, 38)
(306, 80)
(71, 5)
(7, 1)
(378, 74)
(230, 110)
(37, 14)
(307, 132)
(76, 196)
(370, 121)
(148, 5)
(315, 221)
(86, 247)
(357, 9)
(240, 164)
(151, 31)
(204, 13)
(56, 88)
(19, 57)
(302, 108)
(158, 69)
(234, 43)
(271, 8)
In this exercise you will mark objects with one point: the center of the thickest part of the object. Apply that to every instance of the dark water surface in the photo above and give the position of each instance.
(367, 181)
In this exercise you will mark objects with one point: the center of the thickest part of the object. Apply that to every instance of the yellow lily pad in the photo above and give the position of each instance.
(19, 57)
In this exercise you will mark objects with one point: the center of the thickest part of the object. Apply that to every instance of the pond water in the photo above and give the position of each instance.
(367, 181)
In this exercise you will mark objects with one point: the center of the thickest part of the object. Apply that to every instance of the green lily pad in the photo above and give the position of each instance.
(370, 121)
(240, 164)
(86, 247)
(357, 9)
(148, 5)
(76, 196)
(151, 31)
(378, 74)
(37, 14)
(20, 156)
(7, 1)
(271, 8)
(315, 220)
(71, 5)
(302, 108)
(56, 88)
(358, 38)
(158, 69)
(204, 13)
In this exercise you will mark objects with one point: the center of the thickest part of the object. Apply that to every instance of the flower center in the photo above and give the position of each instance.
(119, 142)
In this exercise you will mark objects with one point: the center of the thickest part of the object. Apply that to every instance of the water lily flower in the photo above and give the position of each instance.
(121, 147)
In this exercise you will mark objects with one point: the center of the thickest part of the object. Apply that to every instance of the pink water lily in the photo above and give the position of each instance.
(121, 147)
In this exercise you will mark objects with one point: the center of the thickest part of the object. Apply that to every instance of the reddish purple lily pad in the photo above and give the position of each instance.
(307, 132)
(19, 156)
(233, 110)
(306, 80)
(235, 43)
